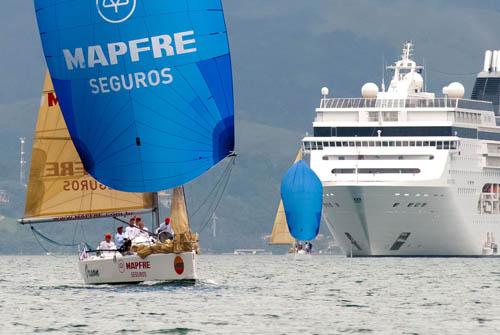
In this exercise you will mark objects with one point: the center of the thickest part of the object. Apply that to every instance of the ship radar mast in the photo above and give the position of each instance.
(407, 79)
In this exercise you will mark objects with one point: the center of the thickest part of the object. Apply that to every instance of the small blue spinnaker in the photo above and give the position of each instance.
(302, 194)
(145, 86)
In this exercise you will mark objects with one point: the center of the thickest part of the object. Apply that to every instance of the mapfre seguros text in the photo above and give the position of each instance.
(110, 55)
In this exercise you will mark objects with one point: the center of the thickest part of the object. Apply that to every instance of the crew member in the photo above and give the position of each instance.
(165, 230)
(143, 231)
(107, 244)
(131, 231)
(119, 238)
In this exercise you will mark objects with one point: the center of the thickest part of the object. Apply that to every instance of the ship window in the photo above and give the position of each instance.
(307, 145)
(371, 144)
(385, 144)
(332, 144)
(361, 157)
(410, 204)
(379, 144)
(365, 143)
(338, 144)
(388, 170)
(424, 204)
(343, 171)
(412, 143)
(325, 158)
(326, 144)
(341, 158)
(405, 143)
(372, 116)
(398, 143)
(320, 145)
(400, 157)
(446, 145)
(358, 144)
(431, 157)
(344, 144)
(440, 145)
(351, 144)
(396, 204)
(419, 143)
(426, 143)
(433, 144)
(391, 143)
(313, 145)
(453, 145)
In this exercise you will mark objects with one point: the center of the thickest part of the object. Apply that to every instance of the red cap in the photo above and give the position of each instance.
(108, 235)
(167, 220)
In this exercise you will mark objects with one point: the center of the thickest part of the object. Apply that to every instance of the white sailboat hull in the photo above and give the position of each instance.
(115, 268)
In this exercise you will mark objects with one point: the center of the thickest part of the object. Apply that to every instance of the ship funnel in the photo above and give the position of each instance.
(487, 60)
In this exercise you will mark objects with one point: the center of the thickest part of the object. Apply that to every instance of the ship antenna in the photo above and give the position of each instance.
(383, 73)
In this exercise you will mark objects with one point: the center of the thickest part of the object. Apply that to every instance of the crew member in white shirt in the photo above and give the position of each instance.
(131, 231)
(166, 228)
(107, 244)
(143, 231)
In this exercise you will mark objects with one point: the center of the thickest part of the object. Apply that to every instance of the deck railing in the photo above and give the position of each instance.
(406, 103)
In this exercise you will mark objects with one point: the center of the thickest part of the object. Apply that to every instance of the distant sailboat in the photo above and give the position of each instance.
(281, 234)
(146, 91)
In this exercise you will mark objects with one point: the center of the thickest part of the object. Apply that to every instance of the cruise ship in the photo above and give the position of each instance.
(407, 172)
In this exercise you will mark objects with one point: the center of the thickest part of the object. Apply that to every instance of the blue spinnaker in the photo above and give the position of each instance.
(145, 86)
(302, 194)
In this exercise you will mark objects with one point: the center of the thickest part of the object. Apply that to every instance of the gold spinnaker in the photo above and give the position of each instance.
(59, 188)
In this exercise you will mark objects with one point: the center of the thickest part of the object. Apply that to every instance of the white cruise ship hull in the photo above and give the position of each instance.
(393, 221)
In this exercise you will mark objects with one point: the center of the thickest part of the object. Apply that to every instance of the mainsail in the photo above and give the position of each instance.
(178, 212)
(59, 188)
(281, 233)
(145, 87)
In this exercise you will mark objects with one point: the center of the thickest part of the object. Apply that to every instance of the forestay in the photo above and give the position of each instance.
(59, 188)
(145, 87)
(302, 194)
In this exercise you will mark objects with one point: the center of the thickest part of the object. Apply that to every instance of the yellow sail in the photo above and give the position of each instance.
(178, 212)
(281, 233)
(59, 188)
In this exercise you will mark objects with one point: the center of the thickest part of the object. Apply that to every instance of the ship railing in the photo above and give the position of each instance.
(328, 103)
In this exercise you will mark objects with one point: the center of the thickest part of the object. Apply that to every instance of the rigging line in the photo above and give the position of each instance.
(217, 203)
(226, 170)
(51, 241)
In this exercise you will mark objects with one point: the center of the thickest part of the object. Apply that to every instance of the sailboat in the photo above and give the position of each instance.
(280, 234)
(59, 189)
(146, 95)
(301, 202)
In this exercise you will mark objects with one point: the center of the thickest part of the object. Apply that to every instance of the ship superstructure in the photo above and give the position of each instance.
(407, 173)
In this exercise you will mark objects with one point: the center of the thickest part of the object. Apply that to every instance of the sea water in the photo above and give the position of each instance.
(259, 295)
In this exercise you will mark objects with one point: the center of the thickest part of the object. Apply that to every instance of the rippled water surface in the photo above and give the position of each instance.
(259, 295)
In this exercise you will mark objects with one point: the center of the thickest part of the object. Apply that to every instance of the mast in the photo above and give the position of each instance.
(156, 211)
(22, 163)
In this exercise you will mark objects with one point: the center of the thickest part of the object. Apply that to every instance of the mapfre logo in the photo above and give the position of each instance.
(116, 11)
